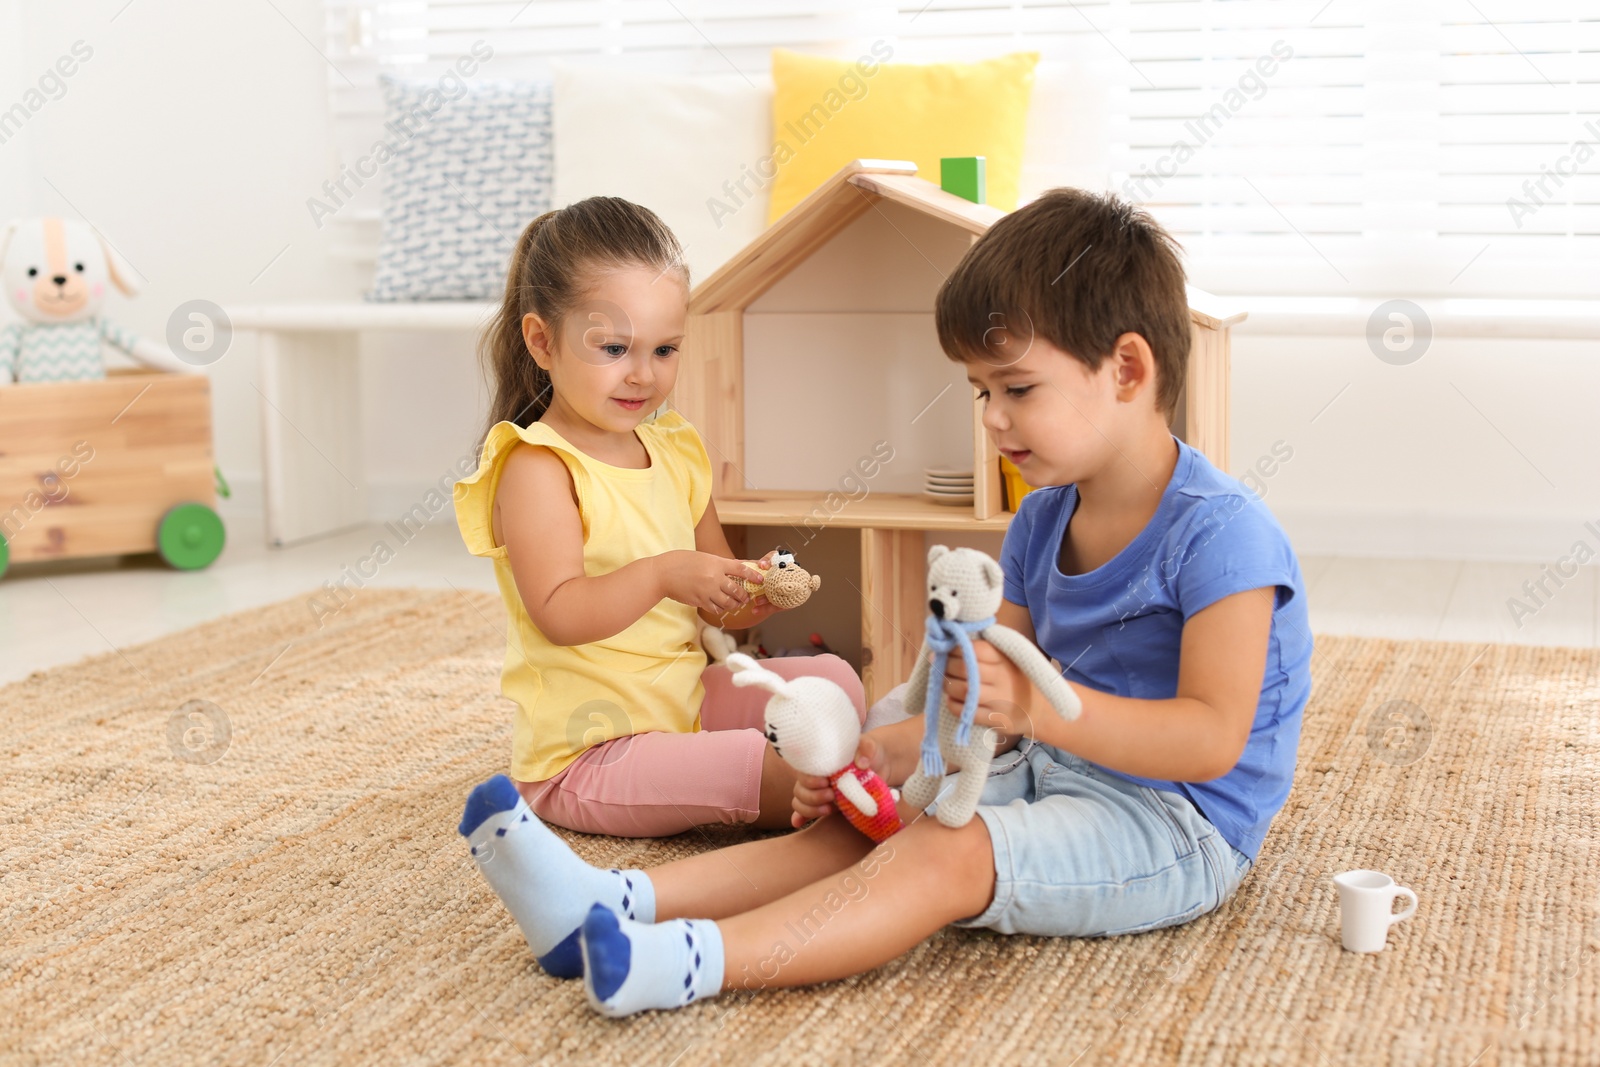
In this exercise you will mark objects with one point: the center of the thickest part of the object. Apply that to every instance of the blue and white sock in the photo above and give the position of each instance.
(630, 966)
(542, 882)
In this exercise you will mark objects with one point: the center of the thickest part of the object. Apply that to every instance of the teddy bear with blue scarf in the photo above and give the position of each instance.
(965, 588)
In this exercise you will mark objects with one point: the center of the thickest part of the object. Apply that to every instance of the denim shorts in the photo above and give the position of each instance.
(1082, 853)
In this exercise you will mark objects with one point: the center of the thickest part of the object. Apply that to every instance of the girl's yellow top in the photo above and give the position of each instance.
(645, 678)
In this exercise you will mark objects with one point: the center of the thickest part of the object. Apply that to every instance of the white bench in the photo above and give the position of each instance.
(1348, 316)
(312, 466)
(310, 387)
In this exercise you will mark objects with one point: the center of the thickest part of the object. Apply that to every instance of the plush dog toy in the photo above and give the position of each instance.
(813, 726)
(717, 642)
(786, 584)
(964, 592)
(55, 273)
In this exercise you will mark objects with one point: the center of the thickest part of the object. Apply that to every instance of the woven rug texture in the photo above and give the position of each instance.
(236, 844)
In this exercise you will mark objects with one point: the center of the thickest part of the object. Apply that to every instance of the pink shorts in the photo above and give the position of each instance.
(656, 784)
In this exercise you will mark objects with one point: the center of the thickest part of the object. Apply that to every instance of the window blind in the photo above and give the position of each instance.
(1387, 147)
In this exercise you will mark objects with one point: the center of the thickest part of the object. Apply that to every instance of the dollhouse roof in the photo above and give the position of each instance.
(812, 223)
(850, 193)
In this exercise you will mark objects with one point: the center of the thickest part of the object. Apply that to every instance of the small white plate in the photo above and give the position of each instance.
(947, 472)
(951, 499)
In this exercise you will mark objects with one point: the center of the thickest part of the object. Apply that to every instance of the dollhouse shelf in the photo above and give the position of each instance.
(809, 511)
(817, 339)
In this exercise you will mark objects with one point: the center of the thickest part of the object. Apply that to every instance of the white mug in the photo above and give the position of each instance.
(1366, 903)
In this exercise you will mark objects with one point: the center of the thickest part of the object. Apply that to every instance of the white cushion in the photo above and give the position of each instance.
(1069, 132)
(670, 144)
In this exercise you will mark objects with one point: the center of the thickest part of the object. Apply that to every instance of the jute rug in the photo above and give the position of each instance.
(237, 844)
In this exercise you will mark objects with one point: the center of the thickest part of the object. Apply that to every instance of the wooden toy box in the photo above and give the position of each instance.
(97, 468)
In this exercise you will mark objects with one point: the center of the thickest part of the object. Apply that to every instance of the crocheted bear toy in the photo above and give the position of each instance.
(787, 584)
(56, 272)
(813, 726)
(964, 592)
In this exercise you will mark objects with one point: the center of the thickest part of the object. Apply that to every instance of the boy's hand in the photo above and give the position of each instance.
(813, 797)
(1005, 696)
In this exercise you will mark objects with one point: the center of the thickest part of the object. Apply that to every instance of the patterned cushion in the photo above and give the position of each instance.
(473, 172)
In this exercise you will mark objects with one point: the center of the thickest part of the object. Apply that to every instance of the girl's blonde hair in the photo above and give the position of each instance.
(557, 261)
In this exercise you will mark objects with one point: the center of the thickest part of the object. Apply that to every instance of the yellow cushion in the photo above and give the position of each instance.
(827, 112)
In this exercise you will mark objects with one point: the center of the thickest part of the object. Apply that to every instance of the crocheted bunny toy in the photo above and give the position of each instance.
(964, 592)
(786, 584)
(56, 273)
(813, 726)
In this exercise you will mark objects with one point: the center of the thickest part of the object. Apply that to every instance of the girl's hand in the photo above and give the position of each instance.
(753, 613)
(702, 580)
(756, 609)
(813, 797)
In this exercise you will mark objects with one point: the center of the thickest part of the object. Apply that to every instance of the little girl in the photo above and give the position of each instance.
(596, 509)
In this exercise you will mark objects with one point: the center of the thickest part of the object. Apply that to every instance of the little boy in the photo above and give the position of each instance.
(1165, 590)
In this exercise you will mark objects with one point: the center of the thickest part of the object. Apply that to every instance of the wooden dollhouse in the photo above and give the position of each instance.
(813, 373)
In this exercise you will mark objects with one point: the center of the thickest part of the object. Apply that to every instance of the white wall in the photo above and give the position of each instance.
(1482, 449)
(196, 132)
(192, 138)
(16, 155)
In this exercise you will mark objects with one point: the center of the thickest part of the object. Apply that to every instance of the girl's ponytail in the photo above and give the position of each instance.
(554, 264)
(521, 387)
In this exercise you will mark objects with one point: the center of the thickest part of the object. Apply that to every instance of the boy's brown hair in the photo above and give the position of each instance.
(1079, 270)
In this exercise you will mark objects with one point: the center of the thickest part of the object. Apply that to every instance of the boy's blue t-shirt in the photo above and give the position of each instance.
(1118, 628)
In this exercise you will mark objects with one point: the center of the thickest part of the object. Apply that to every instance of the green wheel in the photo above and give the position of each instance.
(5, 554)
(190, 536)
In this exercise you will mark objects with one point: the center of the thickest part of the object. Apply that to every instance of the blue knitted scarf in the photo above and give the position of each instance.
(943, 636)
